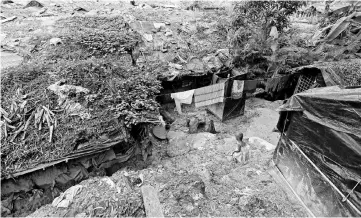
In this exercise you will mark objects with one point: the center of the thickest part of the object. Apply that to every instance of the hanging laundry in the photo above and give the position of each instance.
(237, 89)
(182, 98)
(209, 95)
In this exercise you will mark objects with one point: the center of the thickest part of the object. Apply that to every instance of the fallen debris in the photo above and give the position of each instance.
(151, 202)
(66, 198)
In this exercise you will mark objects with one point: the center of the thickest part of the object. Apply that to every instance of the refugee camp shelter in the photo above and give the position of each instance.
(25, 190)
(319, 152)
(321, 74)
(234, 97)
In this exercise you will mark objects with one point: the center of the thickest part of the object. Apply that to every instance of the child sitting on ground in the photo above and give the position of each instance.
(241, 155)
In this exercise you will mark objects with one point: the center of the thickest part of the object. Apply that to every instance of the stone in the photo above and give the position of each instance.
(169, 33)
(159, 26)
(56, 41)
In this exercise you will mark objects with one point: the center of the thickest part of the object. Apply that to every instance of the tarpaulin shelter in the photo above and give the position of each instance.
(181, 83)
(321, 74)
(319, 152)
(232, 106)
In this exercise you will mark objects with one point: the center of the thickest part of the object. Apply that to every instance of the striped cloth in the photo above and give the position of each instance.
(209, 95)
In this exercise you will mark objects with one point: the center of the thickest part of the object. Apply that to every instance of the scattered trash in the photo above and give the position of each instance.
(9, 19)
(56, 41)
(72, 108)
(66, 198)
(110, 182)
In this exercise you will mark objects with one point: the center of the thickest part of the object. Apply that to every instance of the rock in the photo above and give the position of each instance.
(56, 41)
(258, 142)
(167, 23)
(159, 26)
(195, 64)
(169, 33)
(229, 146)
(148, 37)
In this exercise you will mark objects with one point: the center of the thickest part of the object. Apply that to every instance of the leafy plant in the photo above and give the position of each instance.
(262, 15)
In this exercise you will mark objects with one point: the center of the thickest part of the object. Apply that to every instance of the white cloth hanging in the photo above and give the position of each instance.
(182, 98)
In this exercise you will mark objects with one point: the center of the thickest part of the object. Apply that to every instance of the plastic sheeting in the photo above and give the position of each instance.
(319, 153)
